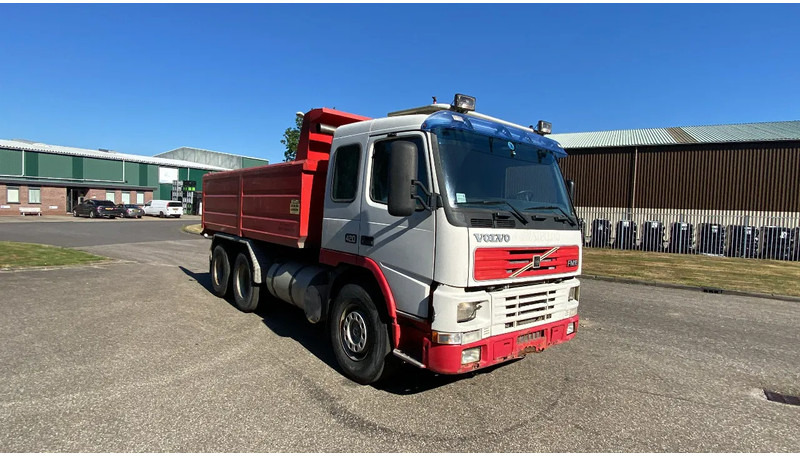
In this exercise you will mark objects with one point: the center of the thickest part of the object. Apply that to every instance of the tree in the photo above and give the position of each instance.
(290, 138)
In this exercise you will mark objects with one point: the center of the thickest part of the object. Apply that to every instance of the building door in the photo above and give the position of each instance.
(75, 196)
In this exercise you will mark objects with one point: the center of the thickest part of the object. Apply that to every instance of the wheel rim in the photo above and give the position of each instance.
(243, 281)
(354, 335)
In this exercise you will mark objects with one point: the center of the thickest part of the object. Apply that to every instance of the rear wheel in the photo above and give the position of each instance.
(92, 214)
(75, 213)
(161, 214)
(360, 339)
(245, 292)
(220, 271)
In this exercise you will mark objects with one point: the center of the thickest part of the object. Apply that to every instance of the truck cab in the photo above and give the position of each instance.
(485, 256)
(447, 240)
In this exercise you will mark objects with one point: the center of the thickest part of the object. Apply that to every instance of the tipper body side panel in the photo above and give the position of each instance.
(280, 203)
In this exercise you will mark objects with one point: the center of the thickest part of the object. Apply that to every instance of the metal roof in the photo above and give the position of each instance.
(110, 155)
(209, 150)
(708, 134)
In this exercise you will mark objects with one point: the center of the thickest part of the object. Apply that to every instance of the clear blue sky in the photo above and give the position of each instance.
(144, 79)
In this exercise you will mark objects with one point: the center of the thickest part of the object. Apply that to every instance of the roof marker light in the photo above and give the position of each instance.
(543, 128)
(463, 103)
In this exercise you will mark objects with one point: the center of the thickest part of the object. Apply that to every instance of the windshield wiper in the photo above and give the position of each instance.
(519, 215)
(566, 218)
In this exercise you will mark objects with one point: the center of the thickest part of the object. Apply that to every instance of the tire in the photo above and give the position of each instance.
(74, 212)
(359, 337)
(245, 292)
(161, 214)
(92, 214)
(138, 216)
(220, 270)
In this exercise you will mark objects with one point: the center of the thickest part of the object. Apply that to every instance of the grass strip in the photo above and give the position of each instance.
(736, 274)
(22, 255)
(194, 229)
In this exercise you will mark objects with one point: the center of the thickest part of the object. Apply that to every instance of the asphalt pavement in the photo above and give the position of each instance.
(138, 355)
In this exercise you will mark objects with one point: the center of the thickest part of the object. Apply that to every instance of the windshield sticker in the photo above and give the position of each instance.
(461, 198)
(458, 118)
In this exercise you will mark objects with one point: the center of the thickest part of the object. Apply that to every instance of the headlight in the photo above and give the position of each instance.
(466, 311)
(575, 293)
(456, 338)
(471, 355)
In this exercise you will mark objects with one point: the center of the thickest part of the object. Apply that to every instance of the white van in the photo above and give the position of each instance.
(163, 208)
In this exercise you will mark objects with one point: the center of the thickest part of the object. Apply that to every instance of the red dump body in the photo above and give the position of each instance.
(280, 203)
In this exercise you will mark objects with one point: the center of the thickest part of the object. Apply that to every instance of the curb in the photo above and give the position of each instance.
(692, 288)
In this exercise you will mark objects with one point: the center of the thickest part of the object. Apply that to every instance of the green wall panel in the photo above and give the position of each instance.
(77, 167)
(152, 176)
(164, 192)
(10, 162)
(94, 168)
(52, 165)
(132, 174)
(197, 175)
(31, 163)
(251, 162)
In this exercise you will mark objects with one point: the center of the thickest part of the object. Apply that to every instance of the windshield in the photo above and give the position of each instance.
(173, 204)
(484, 170)
(106, 203)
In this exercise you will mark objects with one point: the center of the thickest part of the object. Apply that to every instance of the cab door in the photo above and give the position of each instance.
(403, 247)
(341, 221)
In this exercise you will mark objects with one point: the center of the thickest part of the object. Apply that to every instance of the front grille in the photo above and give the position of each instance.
(502, 263)
(515, 309)
(523, 310)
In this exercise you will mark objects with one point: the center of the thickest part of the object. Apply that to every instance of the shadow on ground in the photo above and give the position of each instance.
(286, 320)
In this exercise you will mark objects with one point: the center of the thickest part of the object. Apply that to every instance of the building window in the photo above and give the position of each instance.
(345, 173)
(126, 197)
(110, 196)
(139, 198)
(34, 196)
(12, 195)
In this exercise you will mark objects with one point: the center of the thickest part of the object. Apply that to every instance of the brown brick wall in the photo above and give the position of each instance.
(53, 200)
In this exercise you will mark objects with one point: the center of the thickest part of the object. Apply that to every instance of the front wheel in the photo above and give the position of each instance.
(220, 271)
(75, 213)
(360, 339)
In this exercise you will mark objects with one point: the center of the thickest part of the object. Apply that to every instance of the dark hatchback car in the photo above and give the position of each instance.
(130, 210)
(97, 208)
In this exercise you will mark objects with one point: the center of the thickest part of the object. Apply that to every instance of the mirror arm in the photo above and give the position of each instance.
(418, 184)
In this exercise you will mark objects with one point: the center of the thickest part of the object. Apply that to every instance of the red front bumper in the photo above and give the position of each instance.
(446, 359)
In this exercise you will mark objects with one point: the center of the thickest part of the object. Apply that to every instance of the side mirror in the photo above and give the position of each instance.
(402, 172)
(571, 190)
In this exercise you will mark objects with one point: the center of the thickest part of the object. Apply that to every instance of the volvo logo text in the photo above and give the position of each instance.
(492, 237)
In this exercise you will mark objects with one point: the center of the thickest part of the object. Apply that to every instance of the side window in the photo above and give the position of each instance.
(379, 182)
(345, 173)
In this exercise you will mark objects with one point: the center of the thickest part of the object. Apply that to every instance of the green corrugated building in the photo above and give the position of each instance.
(49, 179)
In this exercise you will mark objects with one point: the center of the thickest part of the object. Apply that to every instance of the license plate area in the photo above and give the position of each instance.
(531, 342)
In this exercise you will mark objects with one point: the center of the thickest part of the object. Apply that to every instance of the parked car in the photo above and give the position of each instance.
(163, 208)
(96, 208)
(131, 210)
